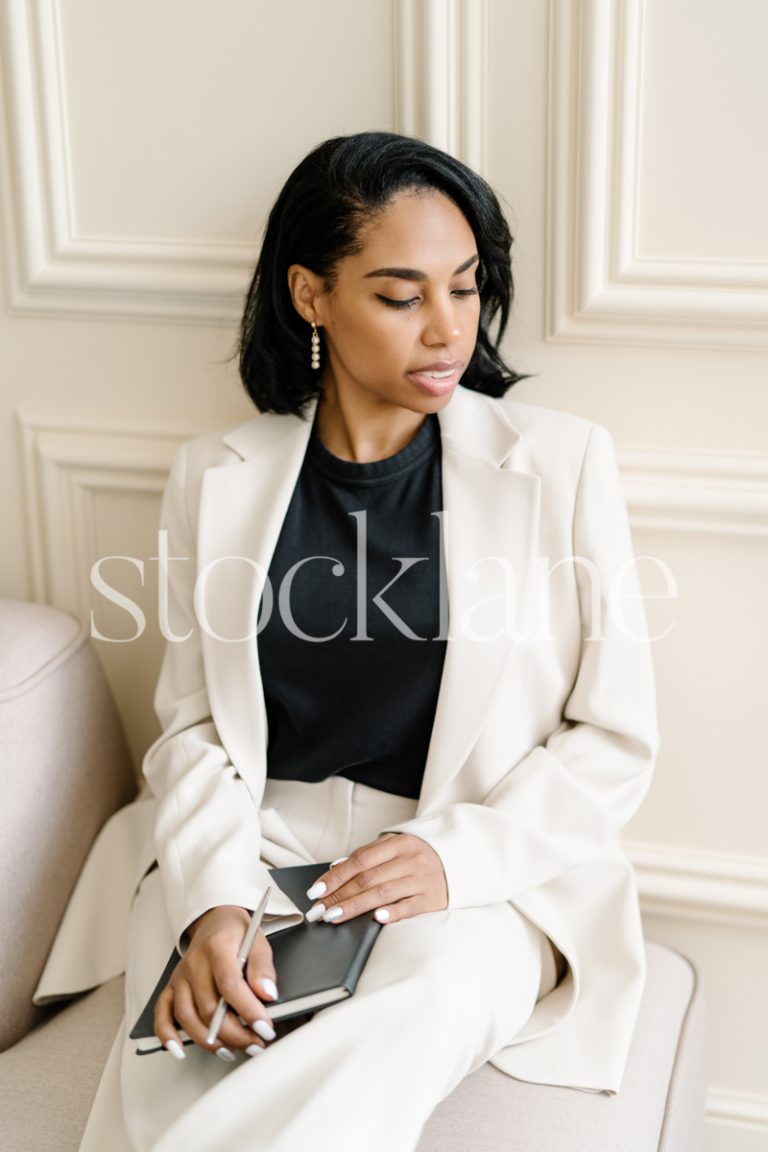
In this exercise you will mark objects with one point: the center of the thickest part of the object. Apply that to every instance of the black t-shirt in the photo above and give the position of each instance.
(352, 652)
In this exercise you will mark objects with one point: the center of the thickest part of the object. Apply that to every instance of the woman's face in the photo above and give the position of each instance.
(400, 322)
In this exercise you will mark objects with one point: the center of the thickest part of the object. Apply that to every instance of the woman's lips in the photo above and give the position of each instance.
(437, 379)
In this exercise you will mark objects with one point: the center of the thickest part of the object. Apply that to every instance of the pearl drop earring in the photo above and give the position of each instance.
(315, 348)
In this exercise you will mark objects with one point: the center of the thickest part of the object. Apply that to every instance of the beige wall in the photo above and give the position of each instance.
(142, 142)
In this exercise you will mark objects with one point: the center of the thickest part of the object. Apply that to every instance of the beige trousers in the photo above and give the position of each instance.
(440, 994)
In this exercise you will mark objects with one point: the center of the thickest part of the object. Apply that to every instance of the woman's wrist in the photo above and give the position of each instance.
(220, 912)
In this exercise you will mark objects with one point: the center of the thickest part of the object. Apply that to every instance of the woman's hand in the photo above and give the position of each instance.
(395, 877)
(210, 969)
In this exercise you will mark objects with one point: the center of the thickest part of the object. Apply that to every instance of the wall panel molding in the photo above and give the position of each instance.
(737, 1116)
(710, 493)
(600, 290)
(710, 887)
(66, 465)
(55, 270)
(742, 1107)
(441, 69)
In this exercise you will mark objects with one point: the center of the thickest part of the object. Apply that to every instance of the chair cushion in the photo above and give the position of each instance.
(660, 1107)
(65, 769)
(49, 1079)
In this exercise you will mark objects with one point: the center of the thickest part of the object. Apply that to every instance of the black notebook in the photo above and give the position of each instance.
(316, 964)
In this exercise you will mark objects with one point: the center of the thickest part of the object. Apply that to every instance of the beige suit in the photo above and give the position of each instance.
(544, 736)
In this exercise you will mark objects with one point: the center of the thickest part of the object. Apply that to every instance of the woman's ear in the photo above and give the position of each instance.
(305, 286)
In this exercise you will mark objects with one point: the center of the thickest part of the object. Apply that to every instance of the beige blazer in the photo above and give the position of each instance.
(544, 735)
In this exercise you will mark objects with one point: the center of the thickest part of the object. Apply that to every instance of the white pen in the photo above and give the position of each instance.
(221, 1008)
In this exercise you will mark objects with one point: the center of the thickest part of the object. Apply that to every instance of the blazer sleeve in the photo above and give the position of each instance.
(207, 832)
(567, 799)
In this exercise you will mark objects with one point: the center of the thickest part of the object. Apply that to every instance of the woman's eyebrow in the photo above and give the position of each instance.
(415, 273)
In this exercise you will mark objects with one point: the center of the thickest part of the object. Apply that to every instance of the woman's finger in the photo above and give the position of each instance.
(262, 979)
(190, 1007)
(260, 969)
(165, 1029)
(403, 910)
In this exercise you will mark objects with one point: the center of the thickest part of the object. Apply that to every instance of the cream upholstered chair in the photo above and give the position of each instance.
(65, 769)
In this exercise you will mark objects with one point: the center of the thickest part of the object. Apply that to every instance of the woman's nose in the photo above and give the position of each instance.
(442, 326)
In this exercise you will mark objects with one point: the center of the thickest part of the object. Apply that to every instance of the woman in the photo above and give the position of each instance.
(405, 634)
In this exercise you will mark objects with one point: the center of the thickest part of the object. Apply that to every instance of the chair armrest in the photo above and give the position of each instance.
(65, 768)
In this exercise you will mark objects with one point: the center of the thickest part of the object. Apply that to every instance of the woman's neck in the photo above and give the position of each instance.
(362, 434)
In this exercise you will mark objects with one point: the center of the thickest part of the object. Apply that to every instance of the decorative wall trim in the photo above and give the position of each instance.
(441, 69)
(701, 886)
(57, 271)
(66, 464)
(600, 289)
(738, 1111)
(707, 493)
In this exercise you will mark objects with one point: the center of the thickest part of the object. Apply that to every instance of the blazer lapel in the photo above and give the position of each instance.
(490, 529)
(243, 506)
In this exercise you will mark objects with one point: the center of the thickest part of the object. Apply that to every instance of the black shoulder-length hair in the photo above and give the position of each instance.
(316, 221)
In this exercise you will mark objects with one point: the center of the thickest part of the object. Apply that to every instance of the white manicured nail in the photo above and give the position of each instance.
(333, 914)
(254, 1050)
(315, 913)
(263, 1029)
(225, 1055)
(340, 860)
(317, 890)
(382, 915)
(268, 987)
(175, 1049)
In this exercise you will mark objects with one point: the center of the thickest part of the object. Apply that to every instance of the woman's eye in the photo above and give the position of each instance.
(414, 300)
(390, 303)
